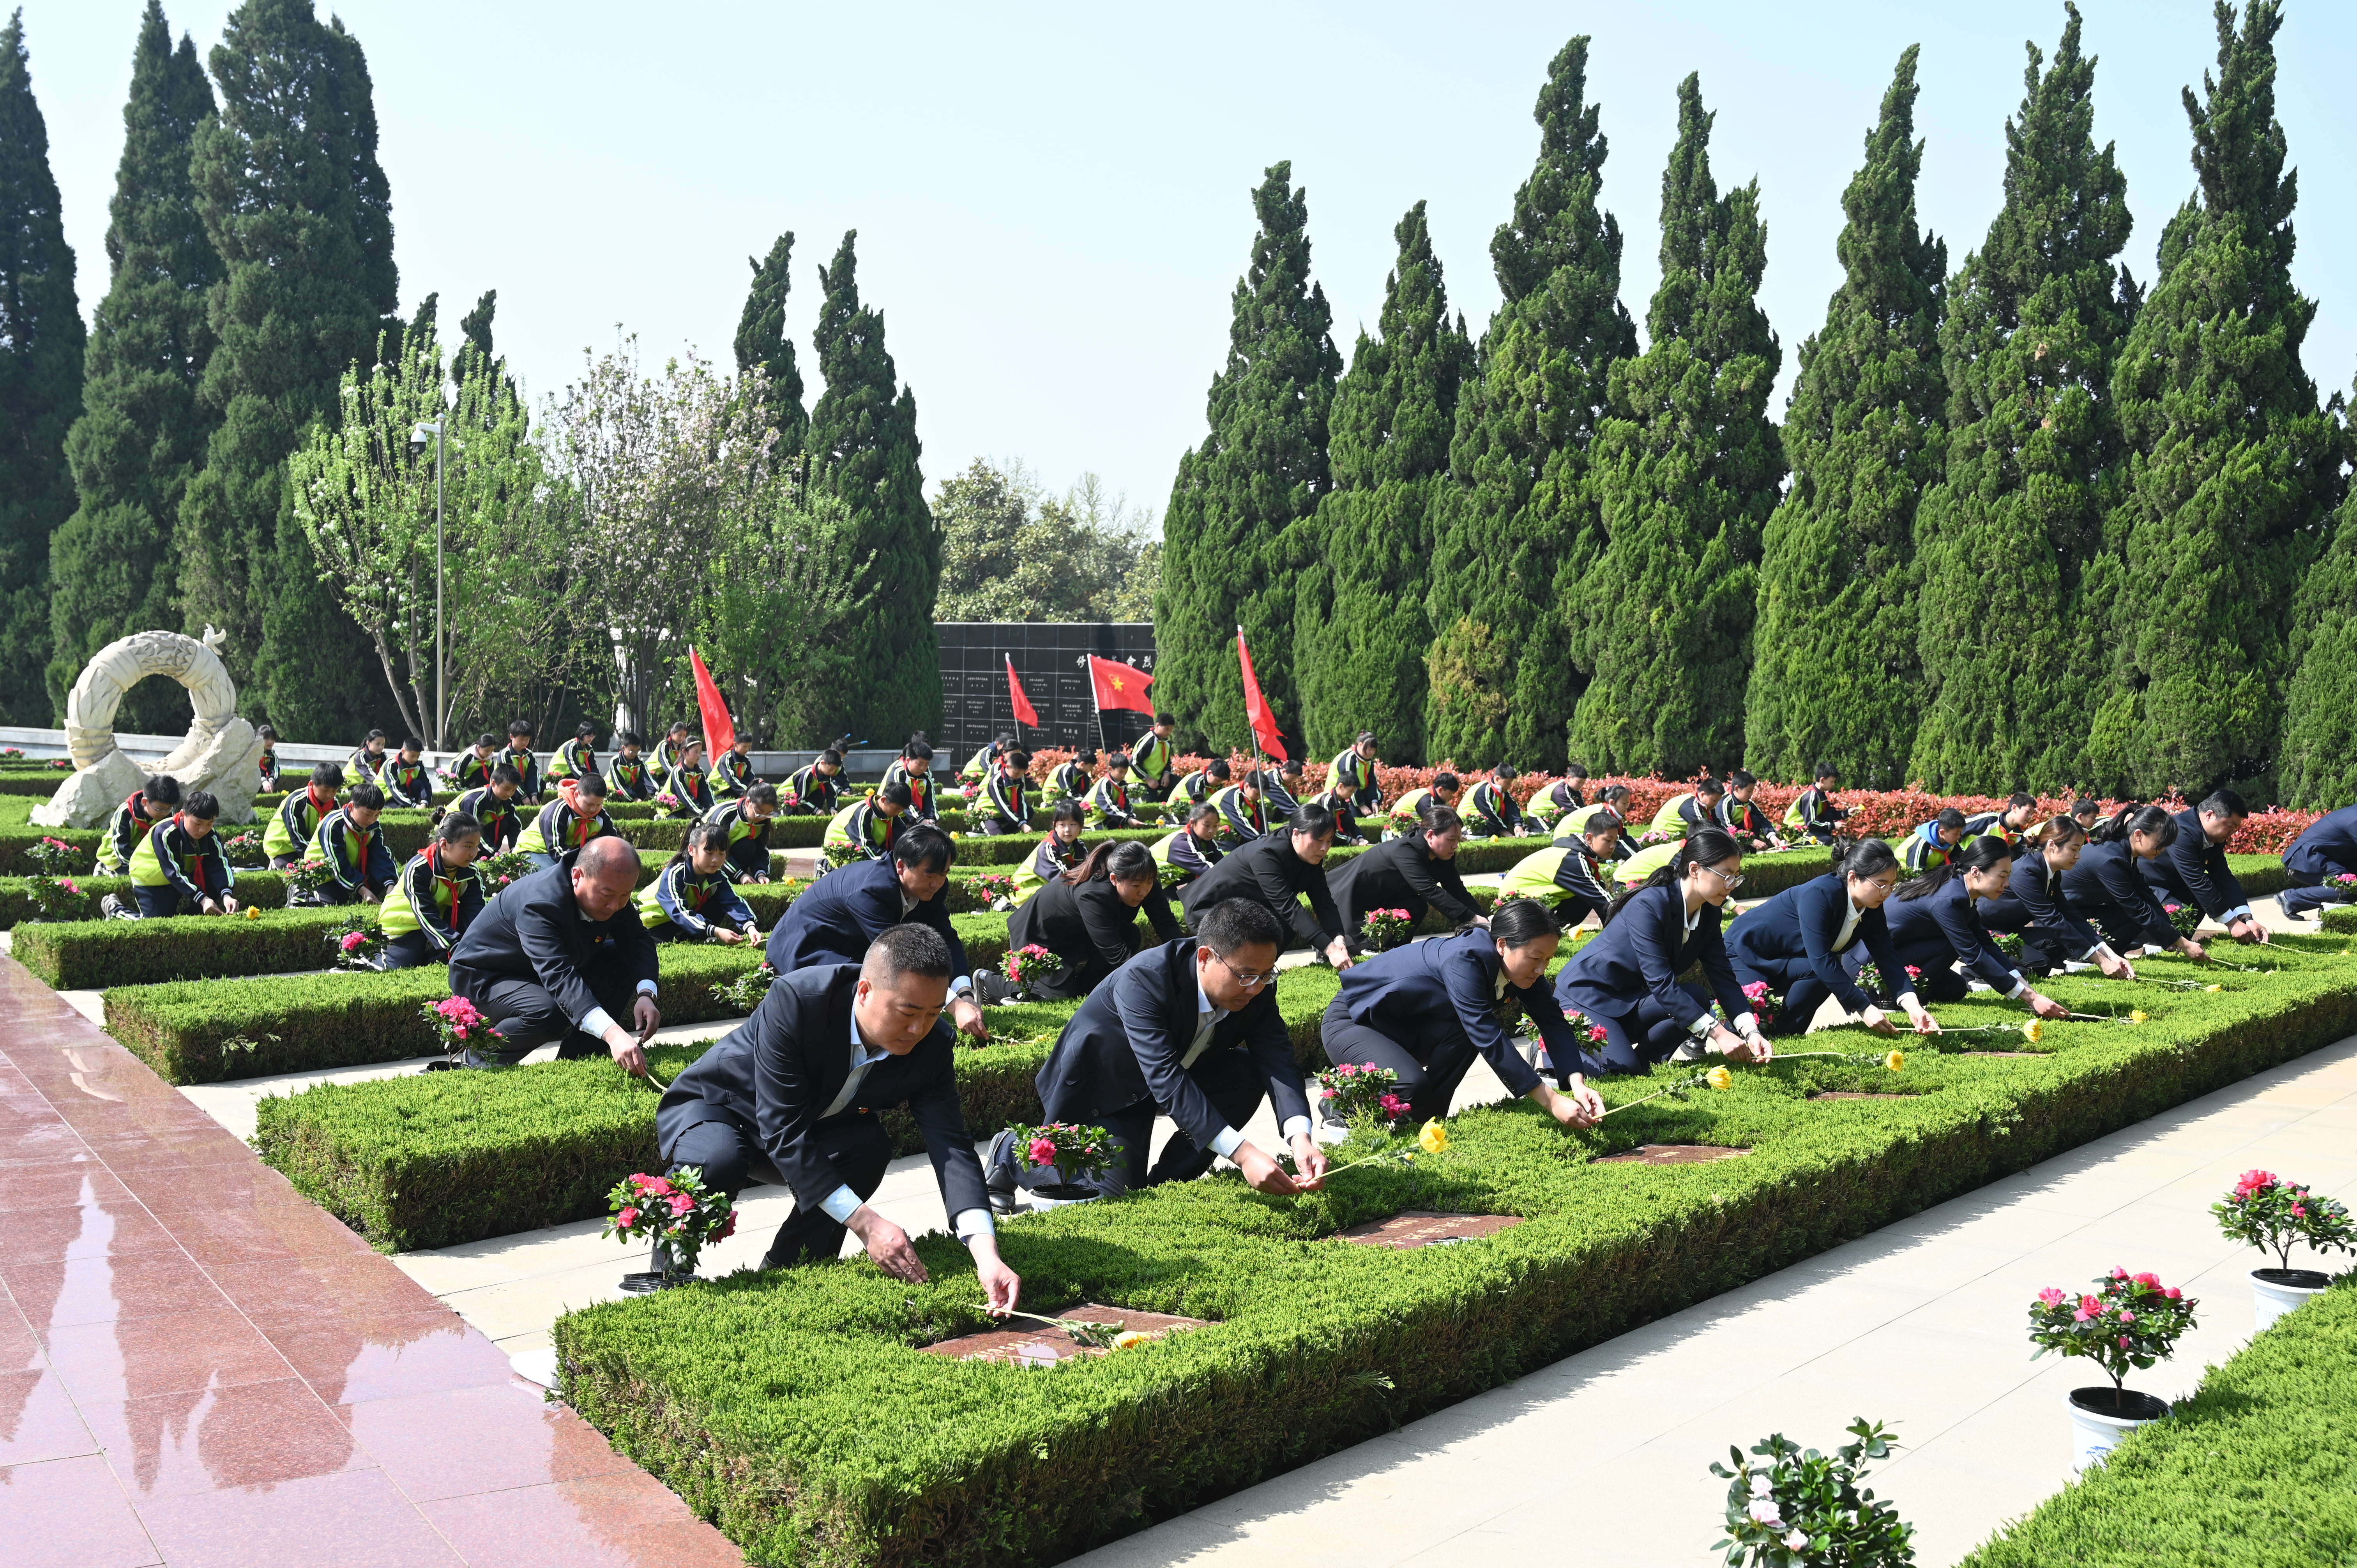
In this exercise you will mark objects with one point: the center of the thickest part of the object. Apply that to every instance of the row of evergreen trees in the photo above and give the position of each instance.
(2024, 525)
(250, 242)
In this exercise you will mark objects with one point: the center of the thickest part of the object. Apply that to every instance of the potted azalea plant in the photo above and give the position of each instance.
(1385, 929)
(676, 1215)
(1792, 1506)
(459, 1027)
(2273, 1215)
(1067, 1151)
(496, 871)
(995, 890)
(1355, 1090)
(356, 942)
(1028, 963)
(2127, 1321)
(743, 993)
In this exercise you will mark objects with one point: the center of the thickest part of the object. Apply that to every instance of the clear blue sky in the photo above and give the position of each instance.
(1052, 202)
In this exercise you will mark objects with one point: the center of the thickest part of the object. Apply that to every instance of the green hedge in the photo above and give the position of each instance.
(2338, 918)
(88, 955)
(781, 1405)
(40, 786)
(261, 889)
(2252, 1472)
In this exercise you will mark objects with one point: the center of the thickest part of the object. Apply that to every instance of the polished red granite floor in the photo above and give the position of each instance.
(199, 1366)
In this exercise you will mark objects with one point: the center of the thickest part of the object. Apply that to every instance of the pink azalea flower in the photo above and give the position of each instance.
(681, 1204)
(1596, 1032)
(627, 1217)
(2124, 1342)
(2299, 1211)
(2080, 1315)
(2050, 1296)
(641, 1180)
(2172, 1293)
(2126, 1317)
(2152, 1280)
(1043, 1152)
(729, 1229)
(2119, 1273)
(660, 1188)
(2090, 1304)
(353, 940)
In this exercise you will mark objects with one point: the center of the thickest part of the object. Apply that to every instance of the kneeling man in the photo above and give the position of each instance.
(792, 1097)
(557, 955)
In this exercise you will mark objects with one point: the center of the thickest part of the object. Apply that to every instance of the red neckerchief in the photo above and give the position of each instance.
(196, 862)
(449, 883)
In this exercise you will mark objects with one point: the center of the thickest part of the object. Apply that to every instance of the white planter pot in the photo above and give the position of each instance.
(2287, 1290)
(1042, 1199)
(2094, 1432)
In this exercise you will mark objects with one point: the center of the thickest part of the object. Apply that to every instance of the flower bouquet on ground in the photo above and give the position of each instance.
(246, 852)
(356, 942)
(12, 754)
(1768, 1007)
(2273, 1215)
(743, 993)
(1658, 835)
(1028, 963)
(1502, 899)
(305, 877)
(460, 1028)
(54, 857)
(1586, 1027)
(1803, 1507)
(1386, 928)
(2186, 918)
(1068, 1152)
(677, 1214)
(1354, 1090)
(996, 890)
(2127, 1321)
(496, 871)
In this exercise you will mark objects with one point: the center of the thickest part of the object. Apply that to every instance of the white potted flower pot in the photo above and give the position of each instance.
(2101, 1416)
(2274, 1291)
(1043, 1198)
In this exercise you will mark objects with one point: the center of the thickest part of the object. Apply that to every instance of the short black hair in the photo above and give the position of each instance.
(505, 773)
(1446, 781)
(2019, 798)
(1739, 779)
(905, 949)
(162, 788)
(1165, 718)
(761, 795)
(592, 784)
(1950, 817)
(1117, 759)
(1199, 810)
(487, 738)
(1603, 819)
(328, 775)
(2226, 803)
(200, 805)
(519, 728)
(1824, 770)
(266, 732)
(584, 730)
(1505, 772)
(1235, 923)
(831, 756)
(1707, 785)
(368, 797)
(377, 734)
(1576, 770)
(411, 743)
(1216, 768)
(1311, 819)
(926, 848)
(1016, 758)
(627, 737)
(918, 751)
(895, 794)
(1084, 755)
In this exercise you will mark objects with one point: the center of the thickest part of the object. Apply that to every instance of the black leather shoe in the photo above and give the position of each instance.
(998, 1171)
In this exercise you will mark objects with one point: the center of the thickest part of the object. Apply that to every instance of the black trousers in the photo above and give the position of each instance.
(2305, 891)
(1941, 980)
(997, 826)
(1231, 1081)
(330, 893)
(2122, 931)
(1429, 1068)
(731, 1160)
(1634, 1041)
(161, 902)
(528, 1016)
(411, 949)
(1795, 979)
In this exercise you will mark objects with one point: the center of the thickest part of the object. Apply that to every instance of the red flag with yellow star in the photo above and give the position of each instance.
(1120, 686)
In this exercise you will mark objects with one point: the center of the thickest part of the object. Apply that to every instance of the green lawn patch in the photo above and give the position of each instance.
(92, 955)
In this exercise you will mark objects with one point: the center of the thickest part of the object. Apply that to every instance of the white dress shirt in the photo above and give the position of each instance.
(842, 1203)
(1207, 1019)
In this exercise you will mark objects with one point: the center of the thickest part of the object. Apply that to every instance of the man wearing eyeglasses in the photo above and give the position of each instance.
(1188, 1029)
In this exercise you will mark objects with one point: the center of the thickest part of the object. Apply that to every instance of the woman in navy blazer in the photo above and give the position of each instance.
(2108, 887)
(2032, 906)
(1626, 978)
(1935, 924)
(1427, 1009)
(1800, 943)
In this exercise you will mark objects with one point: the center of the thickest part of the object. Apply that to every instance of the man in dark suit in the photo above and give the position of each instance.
(560, 956)
(1188, 1029)
(790, 1097)
(1416, 871)
(846, 911)
(2193, 869)
(2326, 849)
(1275, 872)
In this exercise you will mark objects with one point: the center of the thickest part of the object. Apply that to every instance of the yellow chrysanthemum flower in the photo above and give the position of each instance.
(1895, 1061)
(2034, 1031)
(2138, 1017)
(1124, 1341)
(1719, 1078)
(252, 913)
(1434, 1139)
(2213, 988)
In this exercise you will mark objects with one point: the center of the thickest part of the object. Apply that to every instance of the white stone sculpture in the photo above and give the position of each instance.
(222, 754)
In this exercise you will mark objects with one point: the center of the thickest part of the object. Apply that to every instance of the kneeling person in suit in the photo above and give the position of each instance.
(1188, 1029)
(790, 1097)
(846, 911)
(1415, 871)
(557, 955)
(1088, 918)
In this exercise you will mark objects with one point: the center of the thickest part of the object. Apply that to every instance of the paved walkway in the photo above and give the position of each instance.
(198, 1366)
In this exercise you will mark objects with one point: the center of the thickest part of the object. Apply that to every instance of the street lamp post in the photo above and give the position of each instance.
(441, 707)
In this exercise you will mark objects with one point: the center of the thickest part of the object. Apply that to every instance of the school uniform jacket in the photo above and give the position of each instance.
(559, 827)
(1420, 995)
(1050, 860)
(1189, 855)
(535, 931)
(474, 772)
(1744, 819)
(1247, 822)
(527, 767)
(1108, 802)
(1007, 795)
(501, 821)
(1267, 872)
(2033, 901)
(1805, 922)
(169, 856)
(1089, 927)
(356, 856)
(297, 819)
(1276, 800)
(1152, 758)
(1401, 874)
(1641, 952)
(749, 840)
(683, 896)
(2193, 870)
(407, 784)
(731, 775)
(1492, 809)
(1571, 826)
(1125, 1044)
(1948, 916)
(2106, 881)
(442, 901)
(1067, 780)
(816, 791)
(2327, 846)
(1190, 788)
(629, 778)
(128, 827)
(576, 758)
(923, 804)
(841, 914)
(1551, 873)
(689, 789)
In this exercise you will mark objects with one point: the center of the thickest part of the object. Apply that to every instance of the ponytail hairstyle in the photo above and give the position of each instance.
(2058, 831)
(701, 834)
(1868, 856)
(1981, 854)
(454, 825)
(1439, 820)
(1704, 846)
(1613, 795)
(1124, 858)
(2153, 820)
(1519, 922)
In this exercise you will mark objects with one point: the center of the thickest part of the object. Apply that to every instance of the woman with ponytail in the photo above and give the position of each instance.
(1810, 941)
(1427, 1010)
(2032, 906)
(1088, 918)
(2106, 887)
(1936, 924)
(1626, 978)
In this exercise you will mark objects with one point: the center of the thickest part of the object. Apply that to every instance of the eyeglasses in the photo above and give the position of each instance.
(1250, 978)
(1732, 883)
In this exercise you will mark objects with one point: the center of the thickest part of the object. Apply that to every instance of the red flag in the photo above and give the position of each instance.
(1120, 686)
(719, 730)
(1024, 712)
(1264, 723)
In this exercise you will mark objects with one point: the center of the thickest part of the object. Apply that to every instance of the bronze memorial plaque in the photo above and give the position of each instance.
(1031, 1343)
(1671, 1155)
(1422, 1228)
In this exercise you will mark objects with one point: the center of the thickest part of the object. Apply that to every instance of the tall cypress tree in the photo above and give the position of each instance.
(2233, 466)
(2318, 762)
(863, 446)
(1360, 632)
(1834, 653)
(142, 434)
(475, 327)
(1686, 469)
(2036, 321)
(1227, 560)
(293, 198)
(762, 341)
(1519, 524)
(41, 337)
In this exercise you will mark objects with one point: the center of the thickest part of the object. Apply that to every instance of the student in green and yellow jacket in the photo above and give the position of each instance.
(572, 820)
(1696, 808)
(1108, 797)
(359, 868)
(732, 775)
(406, 780)
(1407, 812)
(1243, 809)
(473, 768)
(816, 788)
(152, 803)
(1006, 804)
(978, 768)
(1072, 779)
(2008, 823)
(915, 769)
(269, 738)
(665, 756)
(1571, 878)
(1057, 853)
(435, 897)
(494, 807)
(1812, 810)
(744, 827)
(1353, 773)
(1745, 822)
(691, 899)
(1342, 806)
(690, 792)
(871, 826)
(1282, 788)
(287, 839)
(1195, 848)
(179, 868)
(1194, 788)
(627, 777)
(1568, 793)
(577, 757)
(1155, 758)
(519, 755)
(1617, 797)
(363, 764)
(1930, 845)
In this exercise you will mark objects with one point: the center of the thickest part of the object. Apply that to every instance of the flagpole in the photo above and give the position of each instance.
(1101, 743)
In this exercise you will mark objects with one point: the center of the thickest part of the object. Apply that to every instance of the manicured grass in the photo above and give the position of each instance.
(2252, 1472)
(792, 1410)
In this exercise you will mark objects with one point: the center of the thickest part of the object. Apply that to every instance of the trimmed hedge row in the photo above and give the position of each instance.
(782, 1405)
(2338, 918)
(90, 955)
(261, 889)
(2252, 1472)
